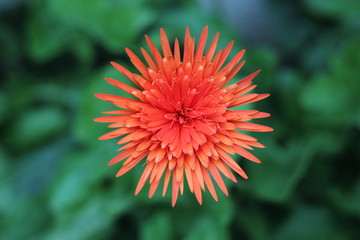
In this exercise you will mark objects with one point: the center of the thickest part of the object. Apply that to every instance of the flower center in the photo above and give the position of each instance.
(184, 115)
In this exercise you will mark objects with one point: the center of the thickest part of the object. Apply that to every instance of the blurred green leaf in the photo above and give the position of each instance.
(10, 53)
(253, 221)
(43, 27)
(3, 108)
(315, 56)
(92, 218)
(347, 10)
(42, 30)
(80, 173)
(282, 168)
(223, 210)
(34, 171)
(310, 223)
(37, 126)
(332, 99)
(157, 227)
(113, 23)
(4, 164)
(347, 200)
(18, 212)
(22, 190)
(5, 187)
(289, 86)
(318, 99)
(205, 227)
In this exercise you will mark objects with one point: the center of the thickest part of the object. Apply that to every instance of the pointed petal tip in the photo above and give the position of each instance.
(136, 192)
(128, 51)
(109, 80)
(97, 119)
(147, 37)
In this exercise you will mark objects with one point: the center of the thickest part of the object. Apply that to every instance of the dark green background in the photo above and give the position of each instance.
(54, 178)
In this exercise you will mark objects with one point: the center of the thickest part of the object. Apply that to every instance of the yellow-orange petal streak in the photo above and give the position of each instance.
(179, 123)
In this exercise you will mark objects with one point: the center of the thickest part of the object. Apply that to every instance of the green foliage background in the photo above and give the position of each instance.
(54, 181)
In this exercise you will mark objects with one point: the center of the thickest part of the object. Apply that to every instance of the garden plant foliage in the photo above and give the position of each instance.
(54, 178)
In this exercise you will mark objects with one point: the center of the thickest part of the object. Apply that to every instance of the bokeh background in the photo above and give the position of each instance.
(54, 178)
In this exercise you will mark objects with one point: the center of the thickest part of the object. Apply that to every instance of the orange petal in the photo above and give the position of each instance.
(197, 189)
(175, 191)
(166, 181)
(165, 44)
(209, 183)
(212, 48)
(215, 173)
(144, 177)
(201, 44)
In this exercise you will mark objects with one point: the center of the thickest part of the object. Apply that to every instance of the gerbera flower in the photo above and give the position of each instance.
(181, 121)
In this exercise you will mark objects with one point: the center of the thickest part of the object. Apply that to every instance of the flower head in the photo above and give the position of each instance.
(181, 119)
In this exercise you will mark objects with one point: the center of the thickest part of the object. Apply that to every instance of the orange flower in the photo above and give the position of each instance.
(182, 121)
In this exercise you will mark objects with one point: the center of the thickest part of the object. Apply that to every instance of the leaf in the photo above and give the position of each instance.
(93, 218)
(80, 172)
(223, 210)
(318, 100)
(310, 223)
(22, 189)
(18, 211)
(41, 30)
(3, 108)
(157, 227)
(114, 24)
(37, 126)
(280, 171)
(347, 200)
(335, 8)
(205, 227)
(331, 99)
